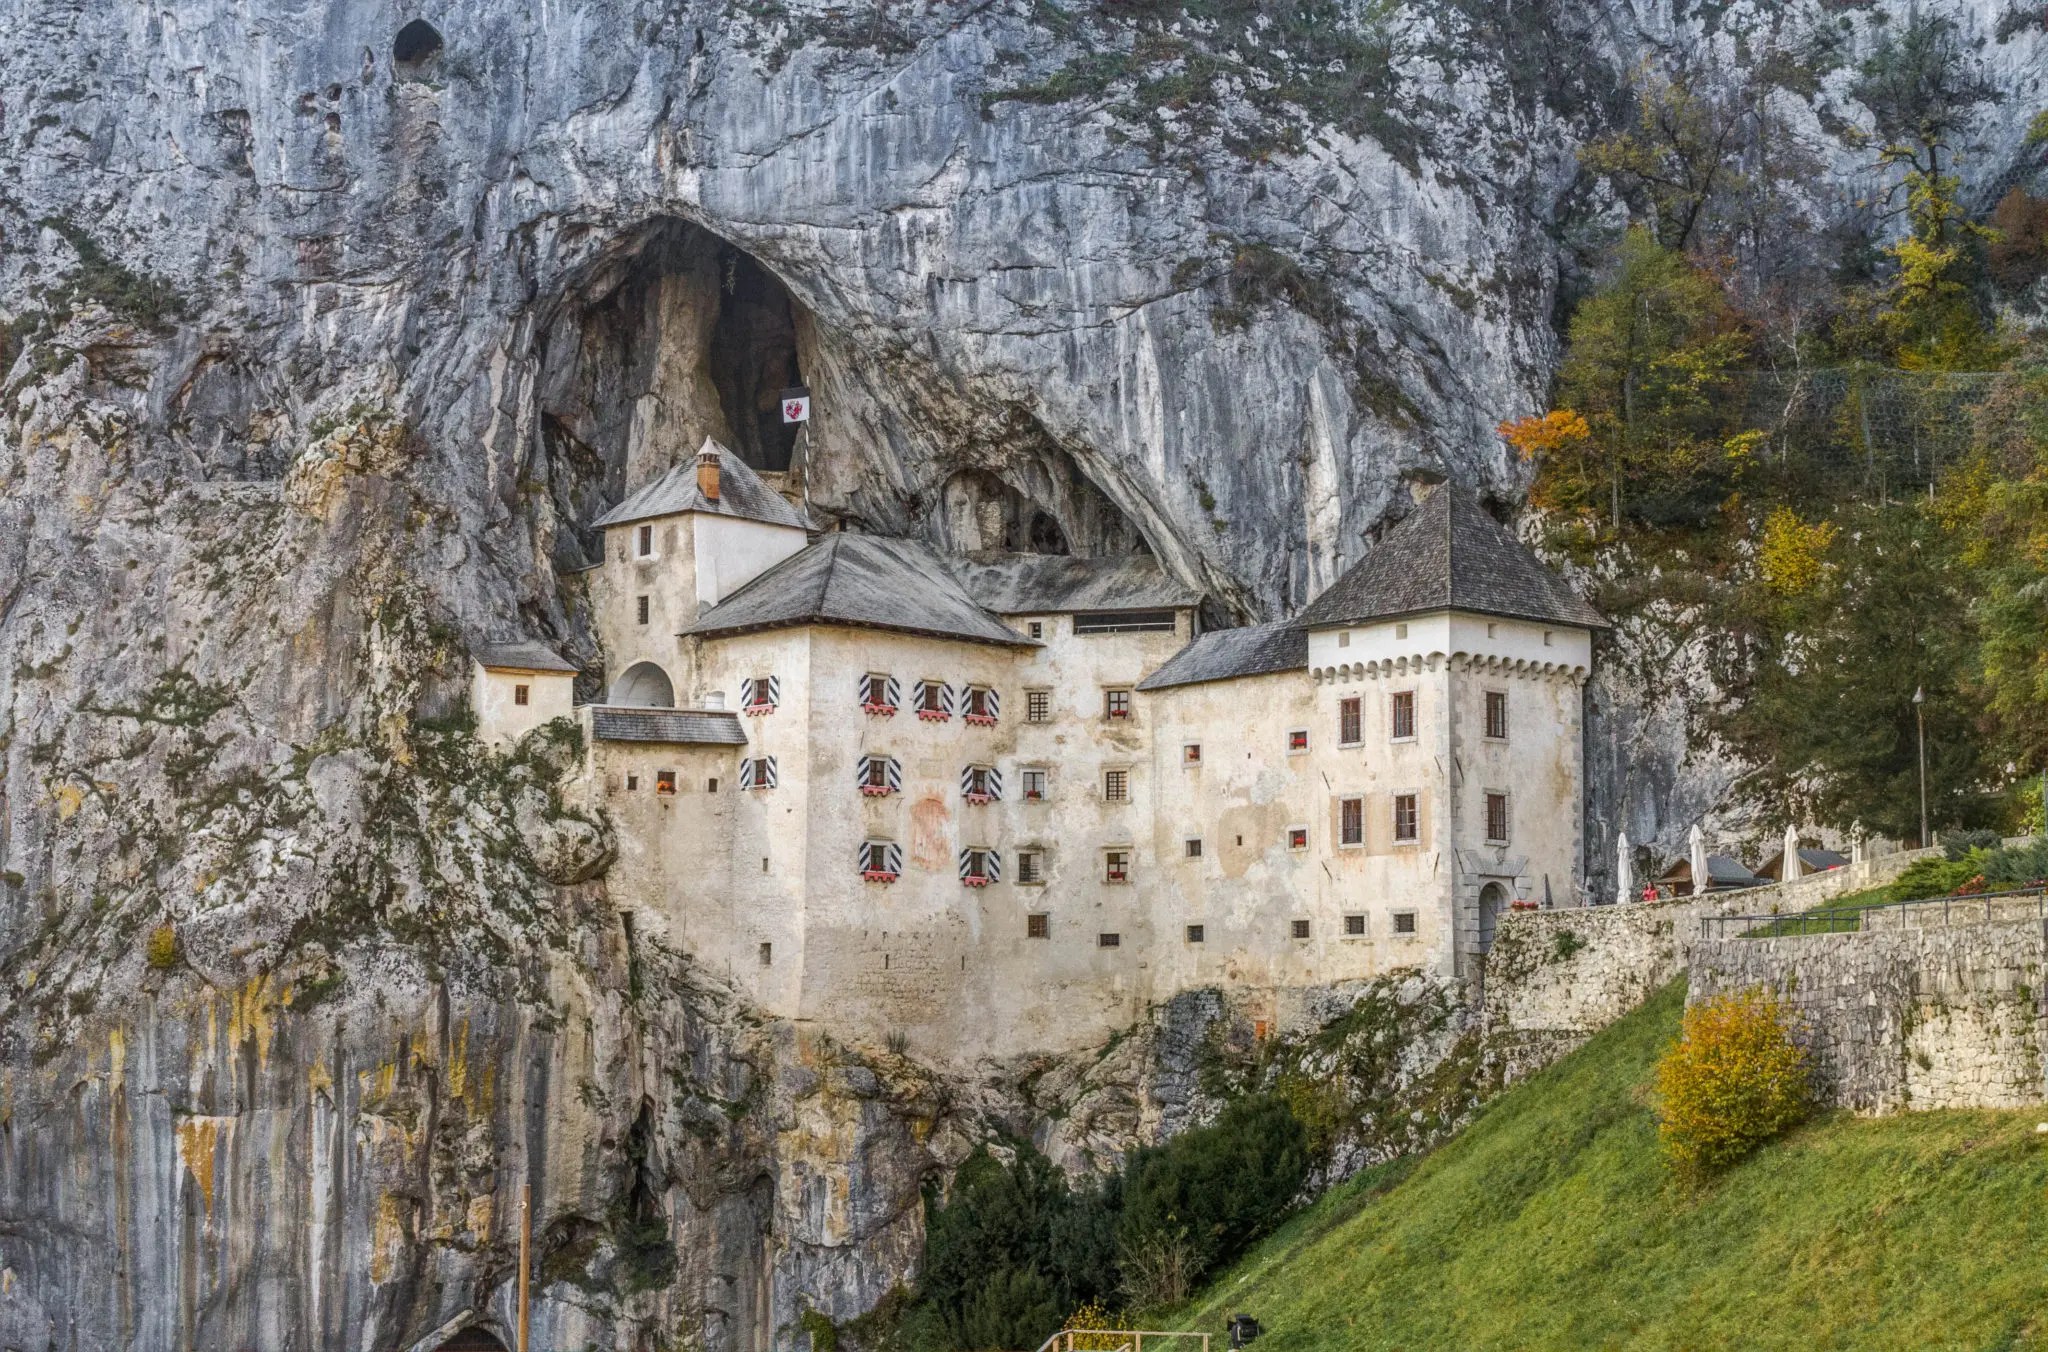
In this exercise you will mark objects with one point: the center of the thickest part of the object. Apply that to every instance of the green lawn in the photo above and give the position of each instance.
(1843, 913)
(1551, 1223)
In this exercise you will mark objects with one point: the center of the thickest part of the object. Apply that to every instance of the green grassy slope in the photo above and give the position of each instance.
(1551, 1223)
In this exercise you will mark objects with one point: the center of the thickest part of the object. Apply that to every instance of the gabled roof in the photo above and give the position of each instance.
(1450, 554)
(741, 494)
(1041, 584)
(1222, 654)
(861, 580)
(521, 655)
(686, 727)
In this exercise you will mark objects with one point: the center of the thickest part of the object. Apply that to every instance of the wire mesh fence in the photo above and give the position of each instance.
(1880, 430)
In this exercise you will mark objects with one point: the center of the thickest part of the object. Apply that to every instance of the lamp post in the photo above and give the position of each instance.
(1920, 724)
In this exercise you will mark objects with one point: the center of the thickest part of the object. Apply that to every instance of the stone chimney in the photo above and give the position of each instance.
(707, 474)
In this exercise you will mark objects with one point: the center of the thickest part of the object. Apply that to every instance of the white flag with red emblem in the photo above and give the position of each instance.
(796, 405)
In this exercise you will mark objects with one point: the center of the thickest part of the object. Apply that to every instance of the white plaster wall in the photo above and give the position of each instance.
(1447, 634)
(731, 552)
(668, 579)
(500, 719)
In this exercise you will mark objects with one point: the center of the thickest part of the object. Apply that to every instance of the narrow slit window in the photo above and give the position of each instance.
(640, 608)
(1497, 818)
(1497, 714)
(643, 540)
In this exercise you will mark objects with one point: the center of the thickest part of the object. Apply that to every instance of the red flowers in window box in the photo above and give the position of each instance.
(974, 880)
(874, 710)
(876, 790)
(934, 715)
(982, 720)
(1117, 875)
(1521, 904)
(877, 875)
(979, 798)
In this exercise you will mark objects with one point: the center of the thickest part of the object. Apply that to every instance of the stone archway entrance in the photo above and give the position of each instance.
(1493, 899)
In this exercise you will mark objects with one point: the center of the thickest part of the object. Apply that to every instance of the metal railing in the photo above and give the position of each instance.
(1115, 1340)
(1977, 908)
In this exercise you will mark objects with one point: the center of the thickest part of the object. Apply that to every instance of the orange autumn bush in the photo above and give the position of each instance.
(1734, 1079)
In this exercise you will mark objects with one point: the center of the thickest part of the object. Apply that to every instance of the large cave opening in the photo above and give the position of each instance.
(753, 358)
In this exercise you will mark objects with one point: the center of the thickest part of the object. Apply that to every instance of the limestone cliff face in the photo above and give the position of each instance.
(326, 330)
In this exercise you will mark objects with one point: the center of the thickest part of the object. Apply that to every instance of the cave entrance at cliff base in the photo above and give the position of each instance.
(473, 1339)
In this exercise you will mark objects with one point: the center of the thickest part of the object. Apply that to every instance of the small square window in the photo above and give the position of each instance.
(1038, 926)
(1194, 934)
(1492, 629)
(1034, 782)
(1344, 638)
(1116, 866)
(643, 540)
(1191, 754)
(1404, 922)
(1497, 714)
(1354, 927)
(1403, 711)
(1546, 638)
(1038, 706)
(1108, 940)
(1037, 629)
(1351, 821)
(665, 781)
(1301, 929)
(1030, 867)
(1116, 786)
(1297, 837)
(767, 954)
(520, 694)
(1297, 741)
(632, 783)
(711, 786)
(1194, 847)
(1116, 704)
(640, 608)
(1407, 822)
(1400, 631)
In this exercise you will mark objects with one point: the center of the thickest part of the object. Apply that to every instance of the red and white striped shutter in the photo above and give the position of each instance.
(893, 855)
(894, 770)
(995, 783)
(860, 690)
(860, 858)
(860, 771)
(992, 860)
(747, 773)
(768, 764)
(774, 690)
(949, 695)
(995, 703)
(746, 691)
(895, 693)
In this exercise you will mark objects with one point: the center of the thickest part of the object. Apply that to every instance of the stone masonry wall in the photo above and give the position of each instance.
(1934, 1017)
(1554, 978)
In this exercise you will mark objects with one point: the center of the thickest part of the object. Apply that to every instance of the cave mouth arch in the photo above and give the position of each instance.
(416, 42)
(643, 685)
(475, 1338)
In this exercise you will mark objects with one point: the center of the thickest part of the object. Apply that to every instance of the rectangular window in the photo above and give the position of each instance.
(1034, 786)
(1116, 866)
(1497, 818)
(1297, 837)
(1194, 934)
(767, 954)
(979, 784)
(711, 786)
(874, 692)
(1124, 622)
(931, 698)
(1107, 940)
(519, 694)
(664, 781)
(758, 773)
(632, 783)
(877, 776)
(640, 608)
(1301, 929)
(1038, 926)
(1030, 866)
(979, 866)
(1546, 638)
(1492, 629)
(1497, 714)
(1037, 629)
(644, 541)
(1116, 786)
(1350, 724)
(1404, 922)
(1407, 826)
(760, 693)
(1116, 704)
(1297, 741)
(1404, 715)
(880, 860)
(1400, 631)
(1038, 706)
(1351, 821)
(1194, 847)
(981, 706)
(1191, 754)
(1354, 927)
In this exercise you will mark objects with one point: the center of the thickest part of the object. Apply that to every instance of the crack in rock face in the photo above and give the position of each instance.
(321, 341)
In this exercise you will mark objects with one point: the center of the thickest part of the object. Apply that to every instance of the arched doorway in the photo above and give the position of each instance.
(472, 1339)
(1493, 899)
(644, 686)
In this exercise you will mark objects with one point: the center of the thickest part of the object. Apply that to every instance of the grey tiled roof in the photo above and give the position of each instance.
(703, 727)
(1450, 554)
(863, 580)
(741, 493)
(1222, 654)
(522, 655)
(1026, 584)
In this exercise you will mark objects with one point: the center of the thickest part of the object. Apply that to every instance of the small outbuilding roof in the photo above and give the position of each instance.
(741, 493)
(522, 655)
(1041, 584)
(687, 727)
(1450, 554)
(862, 580)
(1222, 654)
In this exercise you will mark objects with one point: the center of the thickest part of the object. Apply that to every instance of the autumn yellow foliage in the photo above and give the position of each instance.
(1734, 1079)
(1792, 555)
(1094, 1316)
(1544, 434)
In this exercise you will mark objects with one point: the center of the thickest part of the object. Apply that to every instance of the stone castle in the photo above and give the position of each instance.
(1001, 803)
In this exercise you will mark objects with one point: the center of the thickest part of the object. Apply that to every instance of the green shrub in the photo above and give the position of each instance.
(162, 951)
(1934, 877)
(1734, 1079)
(1963, 843)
